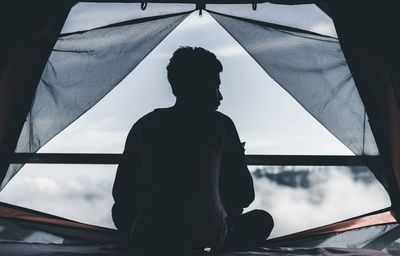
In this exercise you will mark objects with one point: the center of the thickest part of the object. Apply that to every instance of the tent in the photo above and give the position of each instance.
(353, 90)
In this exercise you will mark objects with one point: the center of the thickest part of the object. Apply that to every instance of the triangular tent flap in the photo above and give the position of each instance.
(313, 70)
(31, 33)
(83, 67)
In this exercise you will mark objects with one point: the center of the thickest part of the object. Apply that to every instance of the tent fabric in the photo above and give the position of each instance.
(62, 230)
(383, 237)
(313, 70)
(17, 249)
(30, 35)
(265, 251)
(43, 234)
(20, 224)
(373, 62)
(83, 67)
(15, 212)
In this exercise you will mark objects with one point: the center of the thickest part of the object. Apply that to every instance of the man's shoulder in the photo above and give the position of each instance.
(143, 121)
(162, 113)
(224, 118)
(149, 116)
(146, 117)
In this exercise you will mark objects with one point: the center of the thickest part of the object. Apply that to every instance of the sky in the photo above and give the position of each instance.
(267, 118)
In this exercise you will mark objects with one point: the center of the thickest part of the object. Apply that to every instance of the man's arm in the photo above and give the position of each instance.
(127, 180)
(236, 184)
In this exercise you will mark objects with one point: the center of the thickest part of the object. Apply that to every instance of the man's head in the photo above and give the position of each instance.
(193, 73)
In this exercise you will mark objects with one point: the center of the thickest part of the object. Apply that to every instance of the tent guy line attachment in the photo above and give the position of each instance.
(200, 7)
(267, 160)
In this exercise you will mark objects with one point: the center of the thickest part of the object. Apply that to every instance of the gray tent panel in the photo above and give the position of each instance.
(81, 70)
(312, 68)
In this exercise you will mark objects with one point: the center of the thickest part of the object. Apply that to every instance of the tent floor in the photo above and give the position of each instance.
(27, 249)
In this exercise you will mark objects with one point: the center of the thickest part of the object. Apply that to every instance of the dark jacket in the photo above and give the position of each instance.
(180, 175)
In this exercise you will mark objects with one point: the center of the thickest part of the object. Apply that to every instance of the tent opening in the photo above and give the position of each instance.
(251, 98)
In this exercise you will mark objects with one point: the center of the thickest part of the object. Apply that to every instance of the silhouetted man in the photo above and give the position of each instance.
(182, 183)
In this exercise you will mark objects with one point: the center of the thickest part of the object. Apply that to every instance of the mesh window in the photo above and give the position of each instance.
(313, 70)
(82, 69)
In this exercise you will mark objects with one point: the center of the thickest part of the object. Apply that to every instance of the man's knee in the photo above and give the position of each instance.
(263, 220)
(265, 217)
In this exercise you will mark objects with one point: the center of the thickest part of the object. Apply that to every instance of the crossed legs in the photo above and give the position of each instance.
(247, 230)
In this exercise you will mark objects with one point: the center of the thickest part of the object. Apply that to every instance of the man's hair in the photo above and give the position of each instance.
(191, 66)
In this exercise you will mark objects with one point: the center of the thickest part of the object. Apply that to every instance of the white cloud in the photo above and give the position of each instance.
(333, 196)
(85, 196)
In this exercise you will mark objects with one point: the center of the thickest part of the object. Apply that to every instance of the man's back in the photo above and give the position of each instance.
(177, 165)
(183, 168)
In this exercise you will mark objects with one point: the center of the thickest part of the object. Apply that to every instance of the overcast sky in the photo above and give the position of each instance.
(266, 116)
